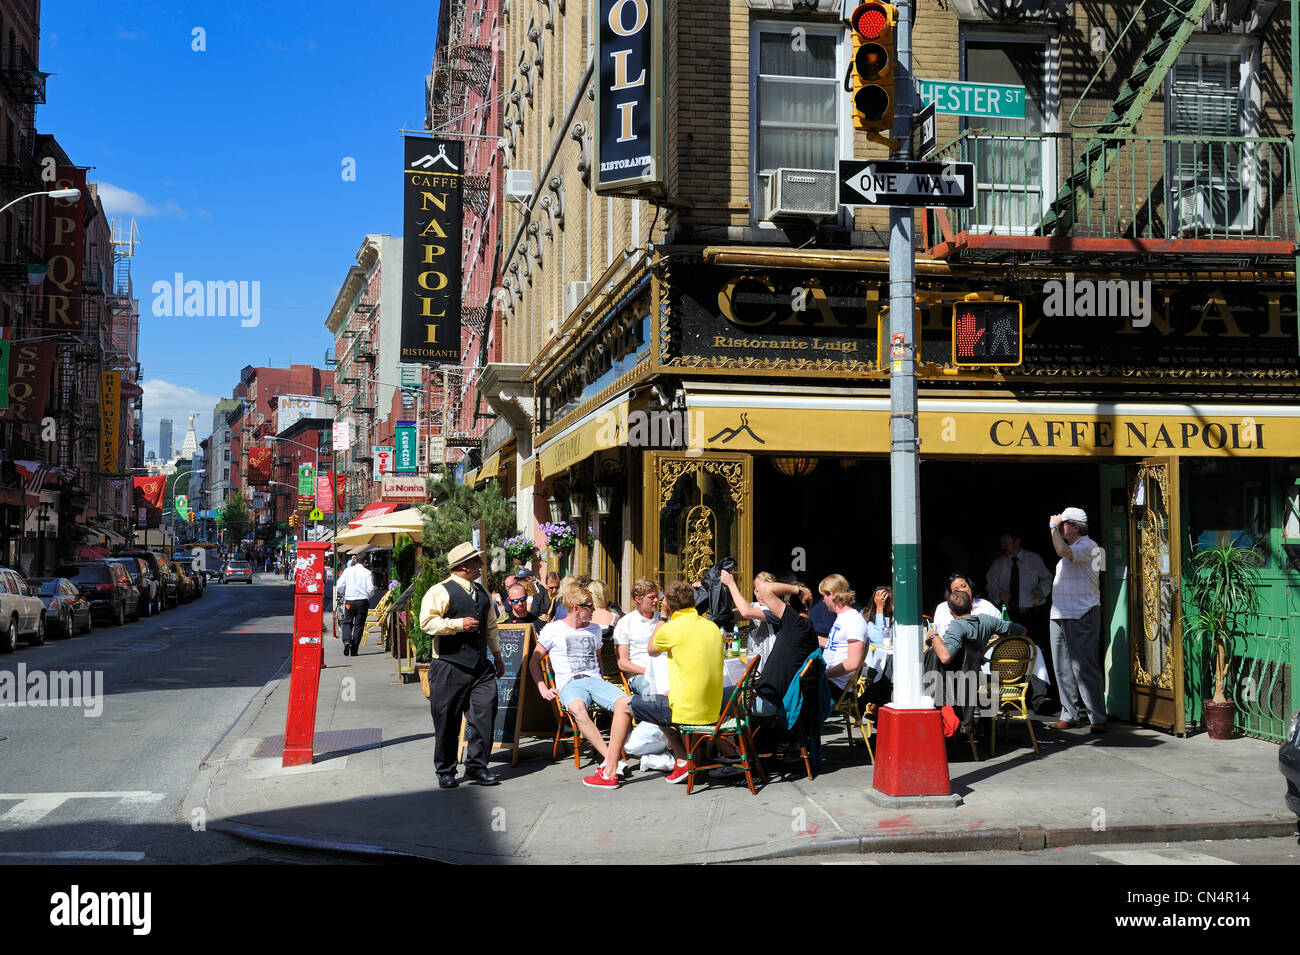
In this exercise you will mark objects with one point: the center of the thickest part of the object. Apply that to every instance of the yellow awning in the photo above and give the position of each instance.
(604, 428)
(528, 473)
(841, 424)
(470, 478)
(490, 467)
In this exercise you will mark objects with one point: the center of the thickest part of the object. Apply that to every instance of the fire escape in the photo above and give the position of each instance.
(1220, 197)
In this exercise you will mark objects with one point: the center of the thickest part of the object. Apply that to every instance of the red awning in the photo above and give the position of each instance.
(373, 510)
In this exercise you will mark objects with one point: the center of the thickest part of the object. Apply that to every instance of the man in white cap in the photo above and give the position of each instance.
(458, 614)
(1076, 621)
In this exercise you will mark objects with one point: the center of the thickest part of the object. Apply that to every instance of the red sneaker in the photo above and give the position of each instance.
(679, 773)
(598, 780)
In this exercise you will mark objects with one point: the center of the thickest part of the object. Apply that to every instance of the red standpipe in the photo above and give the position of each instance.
(308, 652)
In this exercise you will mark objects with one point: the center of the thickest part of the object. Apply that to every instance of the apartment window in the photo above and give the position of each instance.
(227, 454)
(797, 102)
(1211, 175)
(1015, 176)
(225, 474)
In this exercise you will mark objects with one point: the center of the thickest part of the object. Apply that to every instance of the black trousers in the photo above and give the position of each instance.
(357, 621)
(455, 692)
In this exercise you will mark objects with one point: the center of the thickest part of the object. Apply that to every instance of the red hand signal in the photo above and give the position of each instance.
(967, 335)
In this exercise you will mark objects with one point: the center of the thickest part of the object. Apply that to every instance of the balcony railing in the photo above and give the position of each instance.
(1202, 195)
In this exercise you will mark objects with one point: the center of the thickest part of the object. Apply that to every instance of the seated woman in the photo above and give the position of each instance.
(880, 622)
(978, 605)
(603, 616)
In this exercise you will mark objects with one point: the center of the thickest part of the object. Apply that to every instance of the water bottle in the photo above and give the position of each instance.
(1005, 615)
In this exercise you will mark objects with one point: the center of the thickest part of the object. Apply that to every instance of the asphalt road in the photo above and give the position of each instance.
(108, 788)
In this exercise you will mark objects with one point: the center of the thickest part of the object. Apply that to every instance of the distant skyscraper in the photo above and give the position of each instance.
(165, 439)
(191, 444)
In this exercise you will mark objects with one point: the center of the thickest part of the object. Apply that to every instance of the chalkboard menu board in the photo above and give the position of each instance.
(516, 645)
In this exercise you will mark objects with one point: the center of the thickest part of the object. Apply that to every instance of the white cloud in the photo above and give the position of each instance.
(162, 399)
(118, 201)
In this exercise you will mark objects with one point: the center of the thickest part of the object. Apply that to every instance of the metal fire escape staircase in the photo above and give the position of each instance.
(1181, 20)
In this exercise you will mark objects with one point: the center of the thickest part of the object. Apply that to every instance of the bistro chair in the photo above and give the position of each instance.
(732, 727)
(563, 717)
(849, 705)
(1010, 660)
(609, 670)
(375, 618)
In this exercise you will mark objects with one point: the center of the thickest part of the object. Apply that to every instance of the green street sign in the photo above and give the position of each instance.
(991, 100)
(316, 515)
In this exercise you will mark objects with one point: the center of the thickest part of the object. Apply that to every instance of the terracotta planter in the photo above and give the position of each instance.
(422, 669)
(1218, 718)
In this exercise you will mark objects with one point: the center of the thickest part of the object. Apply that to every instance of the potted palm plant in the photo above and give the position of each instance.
(421, 642)
(1224, 588)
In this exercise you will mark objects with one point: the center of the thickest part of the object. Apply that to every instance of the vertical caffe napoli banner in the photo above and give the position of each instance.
(432, 187)
(259, 466)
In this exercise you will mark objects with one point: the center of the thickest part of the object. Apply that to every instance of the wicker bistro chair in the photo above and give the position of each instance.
(563, 717)
(1010, 659)
(849, 705)
(609, 670)
(732, 726)
(375, 618)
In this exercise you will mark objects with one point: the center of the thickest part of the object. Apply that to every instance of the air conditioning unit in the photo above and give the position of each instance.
(803, 193)
(574, 293)
(467, 234)
(519, 184)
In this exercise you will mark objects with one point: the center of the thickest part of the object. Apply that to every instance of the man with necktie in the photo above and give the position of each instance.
(1020, 581)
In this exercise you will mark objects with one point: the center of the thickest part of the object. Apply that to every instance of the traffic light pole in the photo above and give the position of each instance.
(911, 759)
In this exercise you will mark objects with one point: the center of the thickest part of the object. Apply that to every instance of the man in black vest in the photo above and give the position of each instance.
(458, 614)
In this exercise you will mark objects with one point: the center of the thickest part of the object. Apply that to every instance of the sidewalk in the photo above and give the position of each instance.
(372, 790)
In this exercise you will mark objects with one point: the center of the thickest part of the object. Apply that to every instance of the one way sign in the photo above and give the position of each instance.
(865, 182)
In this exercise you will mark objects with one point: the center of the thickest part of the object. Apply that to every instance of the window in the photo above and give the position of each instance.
(227, 453)
(225, 474)
(1014, 174)
(797, 96)
(1210, 180)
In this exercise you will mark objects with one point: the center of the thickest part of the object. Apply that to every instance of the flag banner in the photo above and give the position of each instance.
(65, 251)
(343, 483)
(432, 185)
(324, 499)
(181, 506)
(306, 480)
(110, 415)
(405, 457)
(148, 492)
(259, 466)
(28, 371)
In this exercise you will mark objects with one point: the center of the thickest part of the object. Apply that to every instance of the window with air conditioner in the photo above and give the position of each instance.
(799, 119)
(1015, 176)
(1211, 168)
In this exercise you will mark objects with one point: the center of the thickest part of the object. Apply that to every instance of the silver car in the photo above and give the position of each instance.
(238, 570)
(22, 613)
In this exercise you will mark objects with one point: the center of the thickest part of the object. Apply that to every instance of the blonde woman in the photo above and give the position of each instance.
(560, 605)
(602, 616)
(763, 633)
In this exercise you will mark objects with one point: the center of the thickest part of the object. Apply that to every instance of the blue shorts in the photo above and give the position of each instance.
(591, 689)
(638, 683)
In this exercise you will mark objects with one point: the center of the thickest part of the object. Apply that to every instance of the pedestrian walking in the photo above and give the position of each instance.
(458, 614)
(355, 587)
(1076, 621)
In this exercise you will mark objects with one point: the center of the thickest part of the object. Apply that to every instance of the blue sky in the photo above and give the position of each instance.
(231, 160)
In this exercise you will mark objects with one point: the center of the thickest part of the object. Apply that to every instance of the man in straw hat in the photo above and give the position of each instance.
(458, 614)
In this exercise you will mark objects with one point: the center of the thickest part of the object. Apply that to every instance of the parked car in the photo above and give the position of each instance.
(1288, 759)
(139, 571)
(197, 577)
(22, 614)
(185, 582)
(216, 569)
(238, 570)
(164, 590)
(107, 586)
(66, 611)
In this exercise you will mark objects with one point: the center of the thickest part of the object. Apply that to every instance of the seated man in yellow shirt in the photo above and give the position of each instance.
(694, 647)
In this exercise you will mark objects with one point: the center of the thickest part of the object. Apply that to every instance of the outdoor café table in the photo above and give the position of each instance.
(880, 659)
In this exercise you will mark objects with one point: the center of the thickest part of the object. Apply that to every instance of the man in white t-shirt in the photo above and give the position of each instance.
(632, 635)
(943, 616)
(574, 648)
(1076, 621)
(846, 645)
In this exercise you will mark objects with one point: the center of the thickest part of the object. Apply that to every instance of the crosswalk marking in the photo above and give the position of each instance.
(1161, 857)
(31, 808)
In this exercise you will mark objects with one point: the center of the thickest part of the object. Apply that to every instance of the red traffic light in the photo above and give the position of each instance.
(870, 20)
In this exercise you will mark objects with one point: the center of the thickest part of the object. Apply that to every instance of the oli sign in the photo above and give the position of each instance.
(629, 94)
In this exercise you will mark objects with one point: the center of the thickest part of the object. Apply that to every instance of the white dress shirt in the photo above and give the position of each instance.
(356, 583)
(1077, 588)
(1033, 574)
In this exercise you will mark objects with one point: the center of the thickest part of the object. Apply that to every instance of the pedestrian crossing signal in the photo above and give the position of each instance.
(987, 334)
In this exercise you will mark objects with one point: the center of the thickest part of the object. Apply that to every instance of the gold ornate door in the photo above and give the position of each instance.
(698, 509)
(1155, 595)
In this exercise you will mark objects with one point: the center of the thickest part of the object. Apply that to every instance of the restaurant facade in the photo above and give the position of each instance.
(720, 386)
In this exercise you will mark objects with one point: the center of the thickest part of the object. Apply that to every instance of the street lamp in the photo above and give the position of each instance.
(52, 193)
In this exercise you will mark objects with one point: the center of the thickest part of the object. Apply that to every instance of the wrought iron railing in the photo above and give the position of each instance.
(1150, 187)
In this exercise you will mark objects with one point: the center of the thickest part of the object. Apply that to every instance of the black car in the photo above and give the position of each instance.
(107, 586)
(1288, 760)
(139, 573)
(163, 590)
(66, 611)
